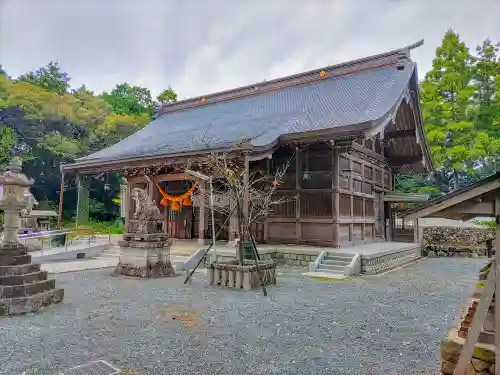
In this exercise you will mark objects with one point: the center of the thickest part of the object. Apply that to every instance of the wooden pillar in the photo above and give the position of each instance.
(363, 225)
(82, 205)
(391, 215)
(246, 181)
(128, 205)
(246, 198)
(416, 231)
(390, 227)
(266, 219)
(489, 248)
(351, 201)
(382, 195)
(336, 196)
(298, 189)
(201, 219)
(61, 197)
(151, 189)
(497, 281)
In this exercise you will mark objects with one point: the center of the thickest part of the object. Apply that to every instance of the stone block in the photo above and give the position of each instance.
(23, 279)
(19, 270)
(14, 260)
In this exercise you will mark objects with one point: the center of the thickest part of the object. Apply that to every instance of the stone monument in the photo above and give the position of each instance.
(23, 286)
(145, 250)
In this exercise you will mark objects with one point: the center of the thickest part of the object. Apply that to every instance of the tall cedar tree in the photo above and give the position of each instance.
(447, 101)
(486, 74)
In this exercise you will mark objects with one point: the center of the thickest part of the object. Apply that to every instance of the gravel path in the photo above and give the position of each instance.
(370, 325)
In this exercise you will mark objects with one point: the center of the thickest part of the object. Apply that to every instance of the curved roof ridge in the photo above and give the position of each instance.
(331, 71)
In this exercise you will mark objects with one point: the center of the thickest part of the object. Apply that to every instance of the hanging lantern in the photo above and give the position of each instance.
(401, 205)
(175, 206)
(164, 202)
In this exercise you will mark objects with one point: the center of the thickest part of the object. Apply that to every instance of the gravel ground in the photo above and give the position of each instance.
(369, 325)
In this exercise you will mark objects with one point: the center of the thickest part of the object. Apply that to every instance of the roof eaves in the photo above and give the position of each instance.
(454, 193)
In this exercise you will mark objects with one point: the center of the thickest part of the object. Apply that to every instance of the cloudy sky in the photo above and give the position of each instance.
(203, 46)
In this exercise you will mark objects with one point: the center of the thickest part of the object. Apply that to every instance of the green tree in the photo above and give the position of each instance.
(487, 104)
(167, 96)
(130, 100)
(49, 77)
(447, 100)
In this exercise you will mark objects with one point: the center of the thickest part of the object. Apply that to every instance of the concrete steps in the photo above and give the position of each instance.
(334, 264)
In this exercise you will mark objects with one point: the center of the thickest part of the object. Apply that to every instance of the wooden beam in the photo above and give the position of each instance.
(357, 147)
(399, 134)
(471, 208)
(466, 195)
(400, 161)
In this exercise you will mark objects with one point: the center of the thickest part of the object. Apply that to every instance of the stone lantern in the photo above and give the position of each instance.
(13, 201)
(23, 286)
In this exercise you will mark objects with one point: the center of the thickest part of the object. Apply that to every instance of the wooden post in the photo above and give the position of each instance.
(298, 189)
(363, 211)
(266, 221)
(336, 196)
(382, 194)
(61, 197)
(497, 283)
(128, 196)
(246, 197)
(201, 219)
(351, 201)
(492, 285)
(151, 189)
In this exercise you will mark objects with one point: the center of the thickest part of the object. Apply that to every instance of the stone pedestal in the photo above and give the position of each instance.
(145, 256)
(233, 275)
(24, 287)
(483, 359)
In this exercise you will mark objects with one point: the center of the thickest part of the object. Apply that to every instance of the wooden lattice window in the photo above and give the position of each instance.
(316, 205)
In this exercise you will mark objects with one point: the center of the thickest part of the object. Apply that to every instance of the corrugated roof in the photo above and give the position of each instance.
(329, 103)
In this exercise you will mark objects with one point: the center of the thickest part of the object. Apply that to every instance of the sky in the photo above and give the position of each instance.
(204, 46)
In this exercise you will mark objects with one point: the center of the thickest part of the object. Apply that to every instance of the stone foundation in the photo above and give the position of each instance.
(245, 276)
(24, 287)
(445, 241)
(375, 263)
(144, 256)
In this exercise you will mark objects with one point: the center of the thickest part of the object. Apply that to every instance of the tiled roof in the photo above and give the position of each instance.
(335, 101)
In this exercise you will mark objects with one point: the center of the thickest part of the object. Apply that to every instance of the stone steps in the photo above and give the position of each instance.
(14, 291)
(26, 278)
(335, 263)
(23, 305)
(19, 270)
(14, 260)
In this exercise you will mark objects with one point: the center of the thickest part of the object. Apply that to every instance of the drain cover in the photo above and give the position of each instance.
(93, 368)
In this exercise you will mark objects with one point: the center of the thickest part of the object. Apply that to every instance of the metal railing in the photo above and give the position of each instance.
(68, 236)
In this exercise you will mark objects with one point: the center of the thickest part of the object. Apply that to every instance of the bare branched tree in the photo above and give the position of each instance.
(230, 188)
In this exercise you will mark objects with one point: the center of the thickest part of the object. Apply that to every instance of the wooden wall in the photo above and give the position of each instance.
(310, 216)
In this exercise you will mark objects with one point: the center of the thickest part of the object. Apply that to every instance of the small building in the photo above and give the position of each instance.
(349, 130)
